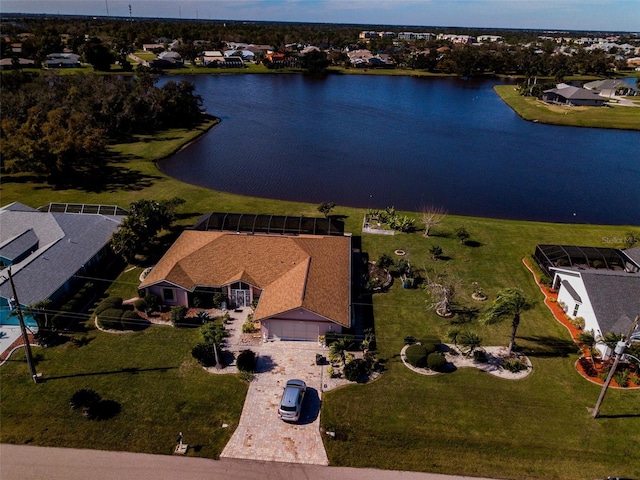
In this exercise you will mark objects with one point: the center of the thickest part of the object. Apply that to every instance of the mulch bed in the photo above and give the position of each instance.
(4, 356)
(591, 370)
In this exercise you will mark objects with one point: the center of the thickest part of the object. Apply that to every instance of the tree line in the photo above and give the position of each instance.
(54, 125)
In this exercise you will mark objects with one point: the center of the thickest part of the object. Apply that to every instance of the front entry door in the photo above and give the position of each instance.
(241, 298)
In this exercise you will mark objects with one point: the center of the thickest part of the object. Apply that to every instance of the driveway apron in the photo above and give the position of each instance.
(261, 435)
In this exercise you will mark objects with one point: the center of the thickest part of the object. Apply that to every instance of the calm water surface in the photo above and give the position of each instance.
(408, 142)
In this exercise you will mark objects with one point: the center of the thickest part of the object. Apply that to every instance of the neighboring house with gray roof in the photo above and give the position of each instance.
(572, 96)
(612, 87)
(46, 250)
(601, 285)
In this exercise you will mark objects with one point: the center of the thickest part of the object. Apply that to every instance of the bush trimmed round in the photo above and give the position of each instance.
(416, 355)
(110, 318)
(436, 362)
(109, 302)
(203, 353)
(130, 320)
(246, 361)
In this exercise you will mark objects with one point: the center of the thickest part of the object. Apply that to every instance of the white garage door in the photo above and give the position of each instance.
(293, 330)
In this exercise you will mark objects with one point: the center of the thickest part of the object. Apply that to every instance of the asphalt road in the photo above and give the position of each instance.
(19, 462)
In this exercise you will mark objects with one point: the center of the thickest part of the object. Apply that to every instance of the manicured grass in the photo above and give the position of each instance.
(159, 388)
(627, 118)
(466, 422)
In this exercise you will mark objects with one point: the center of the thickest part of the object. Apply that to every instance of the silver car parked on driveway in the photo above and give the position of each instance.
(291, 401)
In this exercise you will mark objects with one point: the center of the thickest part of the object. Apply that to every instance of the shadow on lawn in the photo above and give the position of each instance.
(546, 346)
(128, 370)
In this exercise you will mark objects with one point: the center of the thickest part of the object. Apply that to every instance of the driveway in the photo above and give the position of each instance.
(261, 435)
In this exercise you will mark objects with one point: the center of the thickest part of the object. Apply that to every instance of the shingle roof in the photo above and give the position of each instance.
(66, 241)
(308, 271)
(615, 299)
(575, 93)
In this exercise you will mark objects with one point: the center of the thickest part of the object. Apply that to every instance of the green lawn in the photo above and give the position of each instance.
(159, 388)
(627, 118)
(469, 422)
(466, 422)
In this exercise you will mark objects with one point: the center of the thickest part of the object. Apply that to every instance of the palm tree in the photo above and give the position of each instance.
(509, 302)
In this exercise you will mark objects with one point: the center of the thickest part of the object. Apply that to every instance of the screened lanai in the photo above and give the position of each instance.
(274, 224)
(548, 256)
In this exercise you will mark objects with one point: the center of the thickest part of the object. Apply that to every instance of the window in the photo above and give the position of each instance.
(575, 309)
(167, 294)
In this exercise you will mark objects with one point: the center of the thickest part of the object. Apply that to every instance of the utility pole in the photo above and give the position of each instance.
(23, 329)
(619, 351)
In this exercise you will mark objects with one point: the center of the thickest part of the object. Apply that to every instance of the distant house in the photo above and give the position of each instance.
(48, 247)
(149, 47)
(300, 284)
(62, 60)
(167, 60)
(275, 57)
(612, 87)
(216, 59)
(572, 96)
(601, 285)
(10, 63)
(365, 59)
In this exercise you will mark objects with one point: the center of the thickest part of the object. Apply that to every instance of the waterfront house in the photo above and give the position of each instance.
(612, 87)
(299, 284)
(62, 60)
(572, 96)
(601, 285)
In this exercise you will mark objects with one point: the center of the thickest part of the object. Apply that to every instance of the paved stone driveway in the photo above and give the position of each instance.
(261, 435)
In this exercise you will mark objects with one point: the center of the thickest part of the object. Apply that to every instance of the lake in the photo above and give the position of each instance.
(377, 141)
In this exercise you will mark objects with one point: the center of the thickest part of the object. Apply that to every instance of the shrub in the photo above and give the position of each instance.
(109, 302)
(436, 362)
(385, 261)
(130, 320)
(416, 355)
(246, 361)
(140, 305)
(218, 298)
(248, 327)
(514, 365)
(109, 319)
(429, 347)
(480, 356)
(622, 378)
(578, 322)
(178, 314)
(153, 302)
(203, 353)
(355, 370)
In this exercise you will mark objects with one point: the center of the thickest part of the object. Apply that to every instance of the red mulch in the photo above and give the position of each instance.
(584, 365)
(5, 355)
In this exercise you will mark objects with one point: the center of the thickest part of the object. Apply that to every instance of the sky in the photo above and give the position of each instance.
(602, 15)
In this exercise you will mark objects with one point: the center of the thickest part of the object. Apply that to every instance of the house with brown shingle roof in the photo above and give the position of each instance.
(300, 284)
